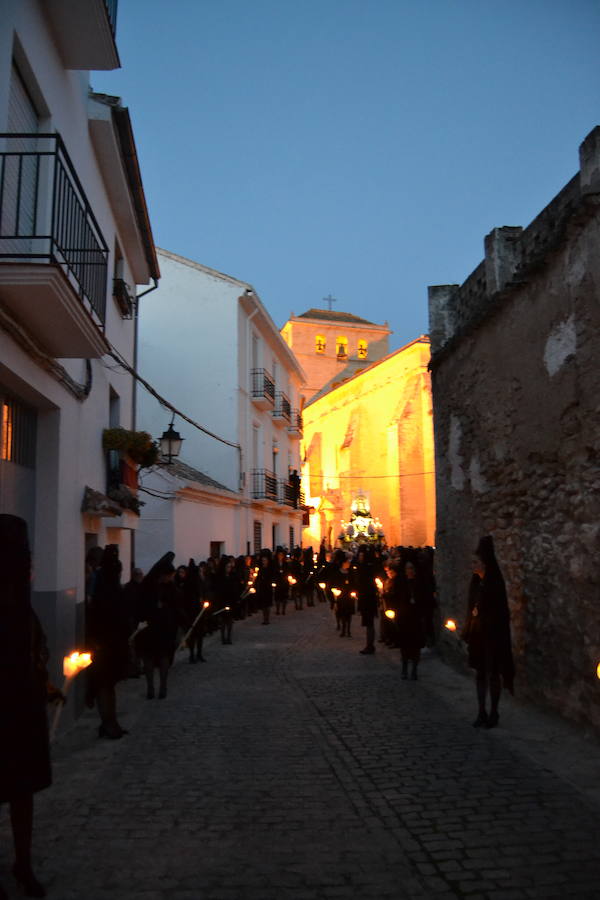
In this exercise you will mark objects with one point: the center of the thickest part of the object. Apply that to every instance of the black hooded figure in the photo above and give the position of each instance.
(487, 633)
(156, 643)
(24, 745)
(107, 631)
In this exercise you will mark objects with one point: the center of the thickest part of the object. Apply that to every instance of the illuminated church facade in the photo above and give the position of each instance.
(367, 441)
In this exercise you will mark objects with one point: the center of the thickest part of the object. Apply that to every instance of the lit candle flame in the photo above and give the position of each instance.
(75, 663)
(252, 591)
(390, 613)
(598, 670)
(379, 583)
(353, 594)
(451, 625)
(322, 585)
(273, 584)
(336, 592)
(291, 580)
(206, 604)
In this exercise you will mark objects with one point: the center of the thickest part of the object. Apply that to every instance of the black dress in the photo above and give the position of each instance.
(487, 628)
(24, 743)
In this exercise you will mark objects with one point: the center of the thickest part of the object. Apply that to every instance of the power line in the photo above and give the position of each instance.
(125, 365)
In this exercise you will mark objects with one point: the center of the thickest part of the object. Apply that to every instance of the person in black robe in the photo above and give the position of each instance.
(24, 692)
(280, 572)
(156, 642)
(263, 585)
(107, 630)
(342, 582)
(229, 588)
(487, 633)
(410, 627)
(366, 591)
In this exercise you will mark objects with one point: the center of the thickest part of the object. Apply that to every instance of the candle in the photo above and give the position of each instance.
(184, 639)
(390, 613)
(291, 580)
(336, 592)
(451, 625)
(72, 665)
(379, 583)
(322, 585)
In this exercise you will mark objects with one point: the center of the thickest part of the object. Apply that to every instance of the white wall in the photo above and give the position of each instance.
(188, 350)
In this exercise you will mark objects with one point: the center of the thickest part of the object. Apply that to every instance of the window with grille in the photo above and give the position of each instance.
(292, 544)
(257, 537)
(17, 432)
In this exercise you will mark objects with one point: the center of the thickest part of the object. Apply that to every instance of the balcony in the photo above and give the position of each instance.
(263, 388)
(282, 413)
(85, 33)
(287, 496)
(296, 424)
(53, 256)
(264, 485)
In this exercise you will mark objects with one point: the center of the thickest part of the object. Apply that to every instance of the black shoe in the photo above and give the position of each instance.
(492, 720)
(481, 720)
(28, 882)
(150, 694)
(367, 651)
(414, 676)
(162, 693)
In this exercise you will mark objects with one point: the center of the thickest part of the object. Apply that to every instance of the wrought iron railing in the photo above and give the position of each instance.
(289, 495)
(264, 485)
(296, 425)
(263, 384)
(283, 409)
(45, 215)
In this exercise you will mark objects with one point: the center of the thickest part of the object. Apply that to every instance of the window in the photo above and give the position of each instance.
(362, 349)
(320, 344)
(17, 432)
(292, 544)
(341, 347)
(257, 536)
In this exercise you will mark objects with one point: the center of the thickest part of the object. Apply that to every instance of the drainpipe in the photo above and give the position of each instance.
(135, 385)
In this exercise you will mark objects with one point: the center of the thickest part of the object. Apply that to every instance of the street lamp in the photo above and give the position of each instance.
(170, 444)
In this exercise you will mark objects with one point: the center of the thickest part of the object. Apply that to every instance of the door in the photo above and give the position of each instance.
(18, 427)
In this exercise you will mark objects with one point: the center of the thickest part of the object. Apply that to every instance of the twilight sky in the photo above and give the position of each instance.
(361, 148)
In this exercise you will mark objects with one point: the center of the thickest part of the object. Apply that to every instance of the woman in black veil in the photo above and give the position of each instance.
(487, 633)
(24, 692)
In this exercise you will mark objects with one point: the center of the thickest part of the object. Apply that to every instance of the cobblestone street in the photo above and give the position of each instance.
(290, 766)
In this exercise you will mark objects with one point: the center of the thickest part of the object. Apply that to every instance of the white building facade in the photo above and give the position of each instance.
(75, 241)
(209, 346)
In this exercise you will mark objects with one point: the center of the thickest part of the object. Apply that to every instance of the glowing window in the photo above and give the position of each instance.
(320, 343)
(7, 432)
(362, 349)
(341, 345)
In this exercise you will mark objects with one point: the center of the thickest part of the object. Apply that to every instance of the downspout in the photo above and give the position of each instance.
(135, 385)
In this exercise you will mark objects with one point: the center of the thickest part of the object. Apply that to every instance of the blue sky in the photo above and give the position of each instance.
(356, 148)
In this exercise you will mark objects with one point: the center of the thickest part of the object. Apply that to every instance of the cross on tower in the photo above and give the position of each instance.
(329, 299)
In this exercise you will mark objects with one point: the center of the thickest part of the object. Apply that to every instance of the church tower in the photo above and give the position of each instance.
(333, 346)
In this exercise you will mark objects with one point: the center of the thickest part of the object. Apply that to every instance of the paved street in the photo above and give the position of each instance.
(289, 766)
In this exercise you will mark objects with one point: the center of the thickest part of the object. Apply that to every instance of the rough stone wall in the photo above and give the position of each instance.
(516, 395)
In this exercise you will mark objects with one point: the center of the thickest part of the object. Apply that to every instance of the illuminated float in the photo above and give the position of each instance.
(363, 528)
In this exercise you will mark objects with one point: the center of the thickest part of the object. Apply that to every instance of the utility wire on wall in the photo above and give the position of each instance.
(165, 403)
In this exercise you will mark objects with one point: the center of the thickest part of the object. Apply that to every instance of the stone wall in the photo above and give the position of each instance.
(516, 396)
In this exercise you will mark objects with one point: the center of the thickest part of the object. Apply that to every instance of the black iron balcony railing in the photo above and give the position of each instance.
(290, 495)
(263, 385)
(264, 485)
(45, 216)
(283, 409)
(296, 424)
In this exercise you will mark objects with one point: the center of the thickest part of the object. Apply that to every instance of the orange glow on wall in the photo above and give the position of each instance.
(373, 436)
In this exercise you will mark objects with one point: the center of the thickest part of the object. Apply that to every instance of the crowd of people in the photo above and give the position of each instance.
(134, 630)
